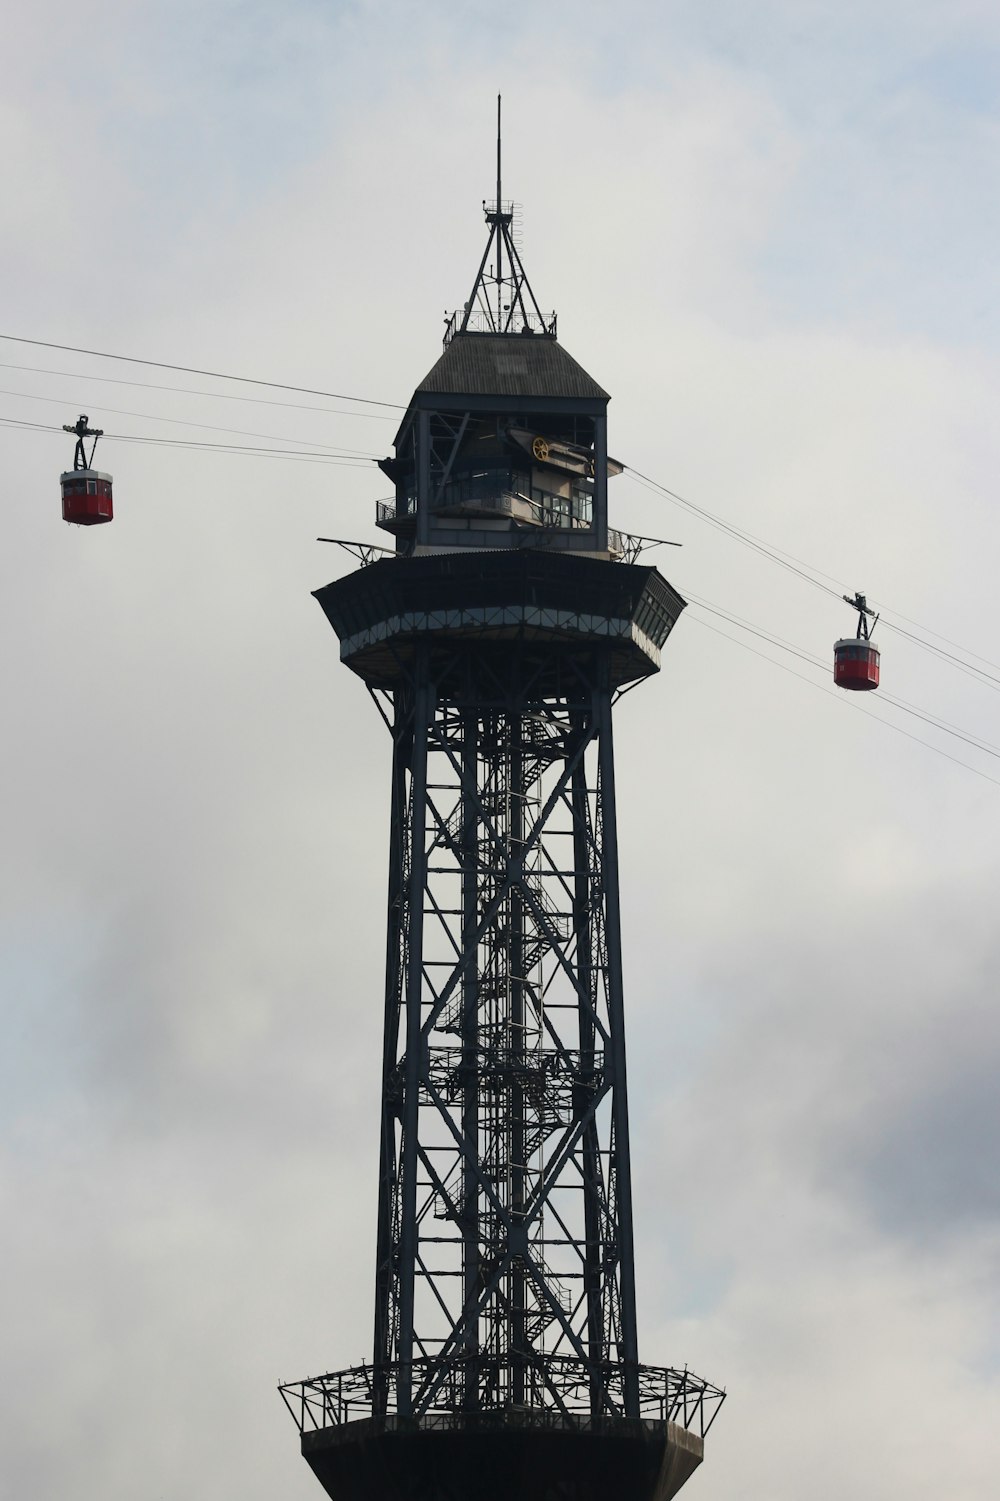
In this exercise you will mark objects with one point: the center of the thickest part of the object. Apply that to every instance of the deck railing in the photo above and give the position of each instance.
(558, 1393)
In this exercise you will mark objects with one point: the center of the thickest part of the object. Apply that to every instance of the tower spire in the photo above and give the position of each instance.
(501, 300)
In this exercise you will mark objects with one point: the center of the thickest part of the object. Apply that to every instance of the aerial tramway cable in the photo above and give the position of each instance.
(789, 561)
(349, 459)
(977, 742)
(147, 385)
(852, 703)
(248, 380)
(248, 450)
(206, 426)
(817, 577)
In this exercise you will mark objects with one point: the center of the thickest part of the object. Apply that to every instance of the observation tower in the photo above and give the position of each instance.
(495, 634)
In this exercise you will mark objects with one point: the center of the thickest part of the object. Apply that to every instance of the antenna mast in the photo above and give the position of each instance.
(501, 300)
(499, 211)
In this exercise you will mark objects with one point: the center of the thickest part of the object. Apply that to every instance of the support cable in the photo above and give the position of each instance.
(805, 570)
(348, 459)
(146, 385)
(789, 561)
(246, 449)
(976, 741)
(210, 395)
(859, 708)
(784, 560)
(248, 380)
(815, 576)
(239, 432)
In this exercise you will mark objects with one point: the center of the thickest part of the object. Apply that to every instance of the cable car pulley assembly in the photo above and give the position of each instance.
(86, 491)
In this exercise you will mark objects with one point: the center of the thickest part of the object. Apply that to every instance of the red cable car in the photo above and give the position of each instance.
(86, 496)
(856, 659)
(86, 491)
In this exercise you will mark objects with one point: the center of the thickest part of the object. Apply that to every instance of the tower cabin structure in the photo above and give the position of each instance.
(495, 642)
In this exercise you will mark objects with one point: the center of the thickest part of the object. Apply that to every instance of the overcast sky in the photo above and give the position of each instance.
(770, 231)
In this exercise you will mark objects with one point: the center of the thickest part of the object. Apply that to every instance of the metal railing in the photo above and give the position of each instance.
(481, 322)
(621, 546)
(557, 1394)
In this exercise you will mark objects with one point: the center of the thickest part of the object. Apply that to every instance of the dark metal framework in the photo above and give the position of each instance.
(365, 552)
(505, 1223)
(429, 448)
(504, 1275)
(860, 603)
(494, 644)
(627, 546)
(501, 300)
(82, 429)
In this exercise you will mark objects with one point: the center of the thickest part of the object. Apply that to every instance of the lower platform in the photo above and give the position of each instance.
(502, 1456)
(549, 607)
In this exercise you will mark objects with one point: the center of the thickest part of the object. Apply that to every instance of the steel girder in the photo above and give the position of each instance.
(505, 1237)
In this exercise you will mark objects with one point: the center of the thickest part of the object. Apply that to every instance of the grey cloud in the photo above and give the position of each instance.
(195, 810)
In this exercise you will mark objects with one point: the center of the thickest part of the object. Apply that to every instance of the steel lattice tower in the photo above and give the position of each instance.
(495, 642)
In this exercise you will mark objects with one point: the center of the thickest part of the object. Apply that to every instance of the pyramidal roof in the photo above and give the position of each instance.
(519, 364)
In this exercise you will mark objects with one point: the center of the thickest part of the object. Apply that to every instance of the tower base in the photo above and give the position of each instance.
(502, 1456)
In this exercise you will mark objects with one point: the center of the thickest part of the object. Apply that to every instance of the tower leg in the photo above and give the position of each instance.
(628, 1344)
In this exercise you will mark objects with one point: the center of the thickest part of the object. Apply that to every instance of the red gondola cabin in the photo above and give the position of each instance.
(855, 664)
(86, 496)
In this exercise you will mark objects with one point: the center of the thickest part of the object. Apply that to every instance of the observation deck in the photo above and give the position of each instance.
(560, 607)
(549, 1445)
